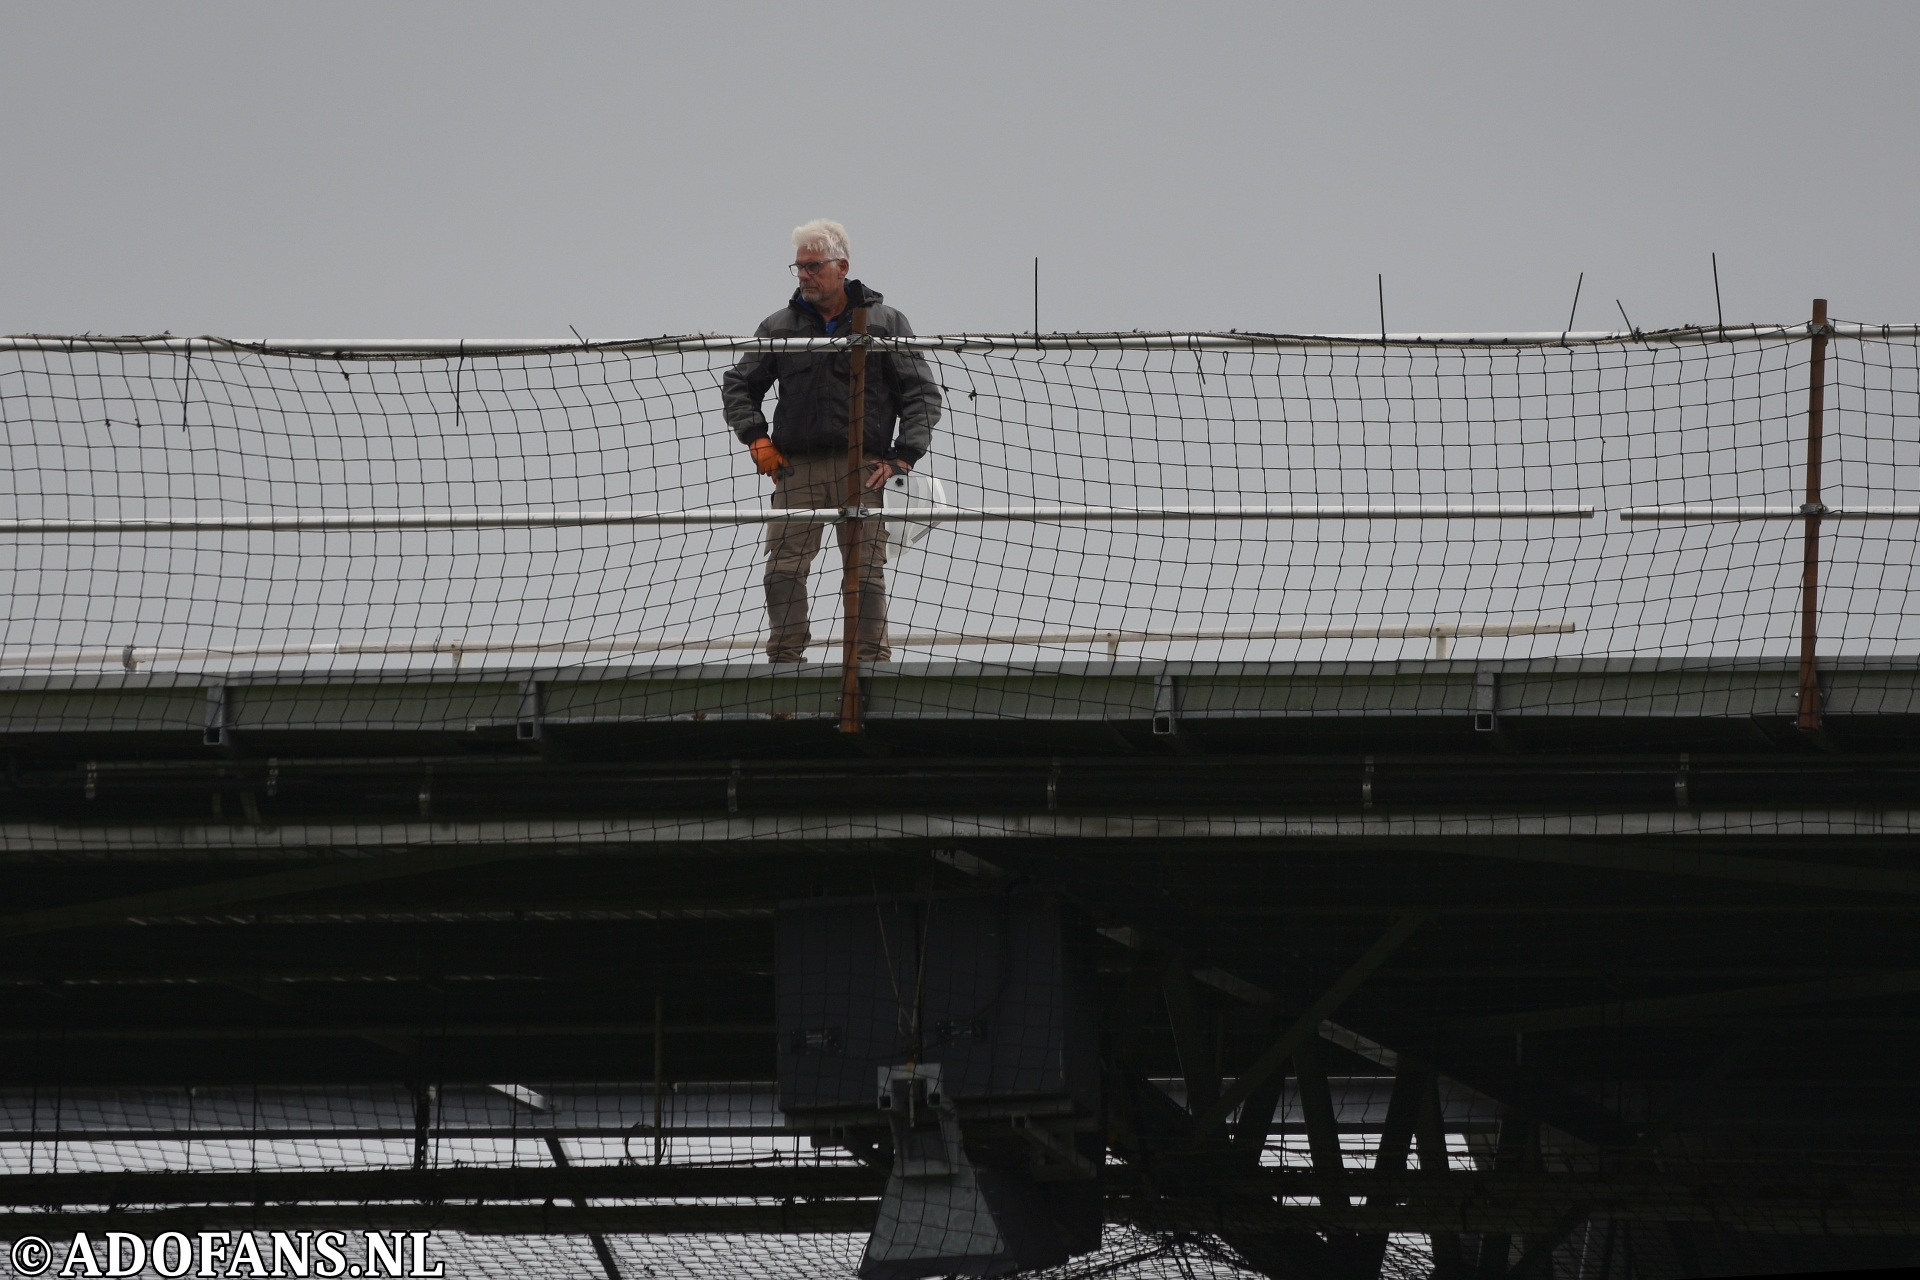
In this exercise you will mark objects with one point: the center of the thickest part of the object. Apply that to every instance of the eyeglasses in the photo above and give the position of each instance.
(811, 268)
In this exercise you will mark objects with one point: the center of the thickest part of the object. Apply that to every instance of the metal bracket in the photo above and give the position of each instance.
(1366, 785)
(733, 788)
(1486, 701)
(1053, 785)
(1680, 782)
(533, 701)
(219, 700)
(1166, 703)
(907, 1093)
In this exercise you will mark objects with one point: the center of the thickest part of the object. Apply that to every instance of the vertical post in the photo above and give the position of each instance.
(659, 1076)
(853, 527)
(422, 1122)
(1810, 709)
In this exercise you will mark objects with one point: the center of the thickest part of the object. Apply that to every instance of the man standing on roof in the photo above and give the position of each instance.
(806, 451)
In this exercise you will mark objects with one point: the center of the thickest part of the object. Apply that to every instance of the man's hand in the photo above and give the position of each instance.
(769, 459)
(886, 469)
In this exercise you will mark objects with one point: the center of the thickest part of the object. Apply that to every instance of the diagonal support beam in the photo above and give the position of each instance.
(1404, 1104)
(226, 893)
(1518, 1088)
(1565, 1110)
(1323, 1128)
(1197, 1062)
(1570, 1112)
(600, 1250)
(1430, 1134)
(1307, 1025)
(1344, 1249)
(1250, 1131)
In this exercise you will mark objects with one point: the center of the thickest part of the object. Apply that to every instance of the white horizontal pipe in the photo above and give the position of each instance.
(405, 522)
(401, 521)
(1411, 631)
(1307, 511)
(134, 656)
(442, 348)
(1768, 513)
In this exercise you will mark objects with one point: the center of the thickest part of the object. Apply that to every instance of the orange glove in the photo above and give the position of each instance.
(769, 459)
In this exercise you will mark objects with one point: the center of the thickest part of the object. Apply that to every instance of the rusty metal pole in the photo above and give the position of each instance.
(1810, 708)
(852, 528)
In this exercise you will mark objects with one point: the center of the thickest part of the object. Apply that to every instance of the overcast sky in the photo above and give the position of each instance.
(510, 170)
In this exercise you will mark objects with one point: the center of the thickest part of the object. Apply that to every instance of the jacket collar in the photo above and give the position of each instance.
(858, 295)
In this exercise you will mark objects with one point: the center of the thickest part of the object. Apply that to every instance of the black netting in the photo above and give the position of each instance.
(1316, 808)
(1587, 431)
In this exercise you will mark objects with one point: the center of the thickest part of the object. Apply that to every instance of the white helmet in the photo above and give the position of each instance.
(915, 490)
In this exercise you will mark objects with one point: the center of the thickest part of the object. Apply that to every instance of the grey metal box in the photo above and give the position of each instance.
(996, 988)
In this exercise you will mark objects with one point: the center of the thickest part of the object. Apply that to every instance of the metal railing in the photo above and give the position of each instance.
(1817, 332)
(133, 657)
(445, 348)
(398, 521)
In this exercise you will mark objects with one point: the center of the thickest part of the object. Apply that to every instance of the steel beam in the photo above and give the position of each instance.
(226, 893)
(16, 1034)
(801, 1217)
(1656, 1009)
(526, 1182)
(1471, 834)
(1531, 1205)
(1786, 872)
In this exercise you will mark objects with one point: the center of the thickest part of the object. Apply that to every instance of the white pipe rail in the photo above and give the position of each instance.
(436, 520)
(457, 348)
(133, 657)
(1770, 513)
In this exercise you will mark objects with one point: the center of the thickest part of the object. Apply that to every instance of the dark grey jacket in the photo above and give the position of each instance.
(811, 417)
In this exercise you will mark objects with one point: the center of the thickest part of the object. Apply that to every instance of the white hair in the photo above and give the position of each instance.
(828, 238)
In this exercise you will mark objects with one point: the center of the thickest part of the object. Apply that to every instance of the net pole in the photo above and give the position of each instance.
(659, 1075)
(853, 527)
(1810, 709)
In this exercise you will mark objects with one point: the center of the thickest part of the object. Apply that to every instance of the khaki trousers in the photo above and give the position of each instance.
(820, 483)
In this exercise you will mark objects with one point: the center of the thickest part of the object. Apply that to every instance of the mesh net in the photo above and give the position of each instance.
(254, 543)
(1588, 431)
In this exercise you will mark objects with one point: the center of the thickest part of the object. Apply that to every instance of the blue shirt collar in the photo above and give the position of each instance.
(834, 325)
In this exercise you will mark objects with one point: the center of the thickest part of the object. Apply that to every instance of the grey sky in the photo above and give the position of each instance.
(373, 169)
